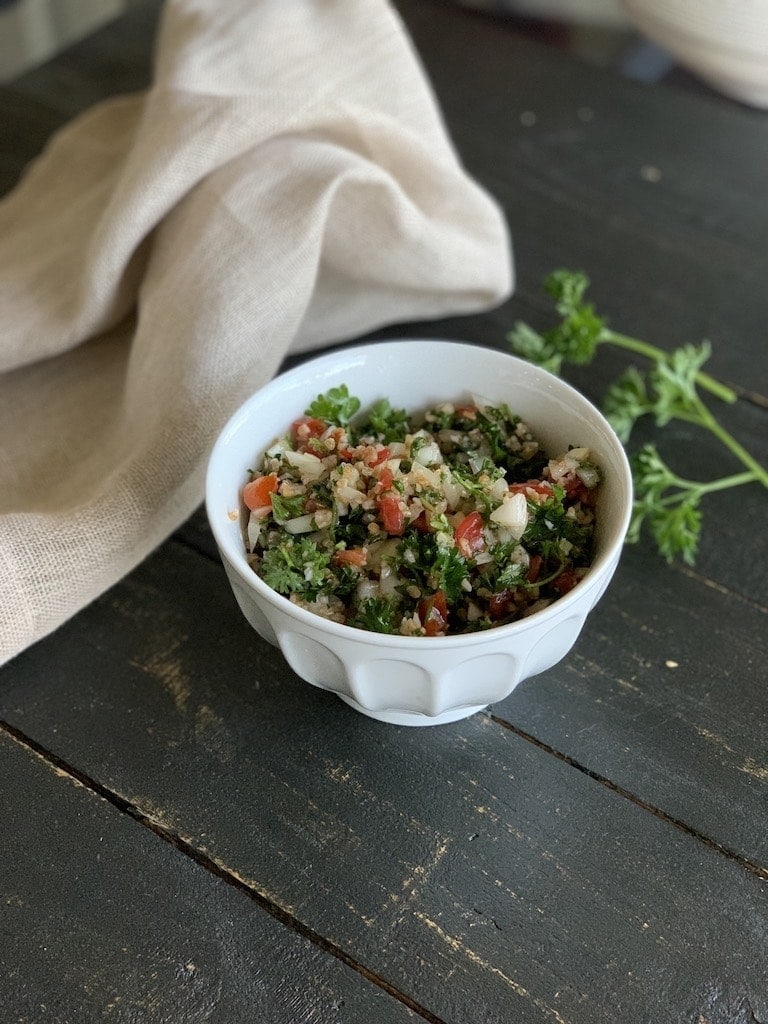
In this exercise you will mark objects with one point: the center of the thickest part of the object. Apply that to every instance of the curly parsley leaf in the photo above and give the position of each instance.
(431, 566)
(295, 566)
(667, 390)
(284, 508)
(335, 406)
(377, 614)
(549, 525)
(386, 422)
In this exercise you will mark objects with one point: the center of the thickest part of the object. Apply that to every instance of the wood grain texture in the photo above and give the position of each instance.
(477, 874)
(102, 920)
(594, 849)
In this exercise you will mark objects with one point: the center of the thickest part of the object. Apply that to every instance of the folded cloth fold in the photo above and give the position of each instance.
(285, 183)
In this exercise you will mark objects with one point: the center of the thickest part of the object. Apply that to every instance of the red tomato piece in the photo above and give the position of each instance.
(500, 605)
(375, 457)
(576, 491)
(566, 581)
(343, 451)
(534, 568)
(542, 487)
(433, 612)
(351, 556)
(304, 429)
(256, 493)
(392, 515)
(467, 412)
(469, 535)
(421, 523)
(386, 478)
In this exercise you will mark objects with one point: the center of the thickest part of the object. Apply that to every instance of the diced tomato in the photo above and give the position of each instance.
(433, 612)
(341, 440)
(392, 515)
(542, 487)
(386, 478)
(469, 535)
(256, 493)
(375, 456)
(500, 604)
(576, 491)
(351, 556)
(304, 429)
(421, 523)
(566, 581)
(534, 568)
(467, 412)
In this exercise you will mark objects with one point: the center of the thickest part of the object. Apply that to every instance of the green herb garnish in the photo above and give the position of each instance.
(335, 406)
(295, 566)
(669, 389)
(284, 509)
(378, 614)
(385, 422)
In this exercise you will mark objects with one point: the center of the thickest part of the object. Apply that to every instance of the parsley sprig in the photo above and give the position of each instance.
(669, 389)
(335, 406)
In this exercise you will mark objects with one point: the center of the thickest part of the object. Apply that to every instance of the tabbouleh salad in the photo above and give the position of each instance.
(449, 521)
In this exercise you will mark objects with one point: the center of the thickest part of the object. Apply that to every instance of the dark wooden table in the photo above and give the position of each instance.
(190, 833)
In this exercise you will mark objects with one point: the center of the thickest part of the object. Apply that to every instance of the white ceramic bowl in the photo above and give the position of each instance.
(418, 680)
(724, 42)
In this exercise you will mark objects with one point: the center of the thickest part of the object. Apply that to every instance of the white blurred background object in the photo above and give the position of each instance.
(723, 42)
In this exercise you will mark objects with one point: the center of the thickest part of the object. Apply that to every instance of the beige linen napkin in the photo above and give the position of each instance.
(285, 183)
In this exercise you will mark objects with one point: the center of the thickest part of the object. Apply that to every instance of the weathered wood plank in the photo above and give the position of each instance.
(481, 876)
(102, 920)
(675, 256)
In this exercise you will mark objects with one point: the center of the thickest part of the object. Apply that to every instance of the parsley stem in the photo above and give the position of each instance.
(688, 487)
(708, 420)
(715, 387)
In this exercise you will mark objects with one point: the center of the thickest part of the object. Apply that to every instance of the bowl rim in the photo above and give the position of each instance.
(235, 555)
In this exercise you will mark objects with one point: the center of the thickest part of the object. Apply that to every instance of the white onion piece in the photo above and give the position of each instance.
(499, 489)
(366, 589)
(429, 455)
(588, 476)
(282, 445)
(512, 514)
(388, 581)
(307, 464)
(425, 477)
(453, 492)
(253, 530)
(301, 524)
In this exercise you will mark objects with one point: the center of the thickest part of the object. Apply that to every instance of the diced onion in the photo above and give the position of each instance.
(253, 530)
(366, 589)
(307, 464)
(301, 524)
(429, 455)
(588, 476)
(423, 477)
(389, 581)
(453, 492)
(512, 514)
(498, 489)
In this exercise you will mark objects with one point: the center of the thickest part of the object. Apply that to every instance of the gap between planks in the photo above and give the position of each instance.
(614, 787)
(65, 770)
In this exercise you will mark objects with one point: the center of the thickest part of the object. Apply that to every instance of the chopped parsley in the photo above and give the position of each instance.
(451, 521)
